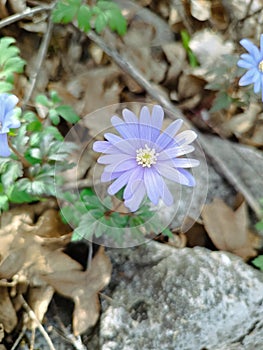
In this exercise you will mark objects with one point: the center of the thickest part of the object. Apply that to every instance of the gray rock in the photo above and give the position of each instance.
(181, 299)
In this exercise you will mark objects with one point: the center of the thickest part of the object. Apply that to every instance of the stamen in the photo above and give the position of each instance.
(146, 157)
(260, 66)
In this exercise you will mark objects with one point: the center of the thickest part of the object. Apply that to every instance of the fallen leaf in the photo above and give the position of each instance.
(7, 312)
(83, 288)
(228, 229)
(201, 9)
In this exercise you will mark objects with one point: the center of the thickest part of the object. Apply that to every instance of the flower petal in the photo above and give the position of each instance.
(114, 158)
(248, 58)
(185, 137)
(119, 183)
(4, 149)
(167, 136)
(165, 193)
(136, 175)
(245, 64)
(152, 183)
(134, 202)
(251, 48)
(185, 162)
(122, 166)
(126, 130)
(145, 124)
(173, 152)
(249, 77)
(176, 175)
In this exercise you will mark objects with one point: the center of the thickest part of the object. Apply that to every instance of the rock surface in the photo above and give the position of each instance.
(186, 299)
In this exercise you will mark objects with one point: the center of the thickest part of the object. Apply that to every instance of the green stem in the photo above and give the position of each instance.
(22, 159)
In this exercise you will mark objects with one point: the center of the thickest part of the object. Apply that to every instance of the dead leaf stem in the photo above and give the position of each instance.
(33, 317)
(40, 59)
(25, 14)
(155, 93)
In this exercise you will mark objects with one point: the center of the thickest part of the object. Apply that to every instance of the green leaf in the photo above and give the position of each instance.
(43, 100)
(259, 226)
(13, 170)
(4, 203)
(258, 262)
(65, 11)
(18, 195)
(222, 101)
(5, 87)
(52, 130)
(54, 117)
(54, 97)
(67, 113)
(101, 22)
(83, 18)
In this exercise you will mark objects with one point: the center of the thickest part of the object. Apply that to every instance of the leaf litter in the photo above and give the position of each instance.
(32, 237)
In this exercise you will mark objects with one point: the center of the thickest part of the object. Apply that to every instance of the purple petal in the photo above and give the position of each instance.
(173, 152)
(185, 163)
(106, 177)
(124, 146)
(251, 48)
(135, 176)
(249, 77)
(4, 149)
(102, 146)
(134, 202)
(245, 64)
(145, 124)
(248, 58)
(157, 121)
(119, 183)
(166, 137)
(129, 116)
(185, 137)
(176, 175)
(152, 183)
(126, 130)
(191, 180)
(122, 166)
(257, 85)
(114, 158)
(164, 192)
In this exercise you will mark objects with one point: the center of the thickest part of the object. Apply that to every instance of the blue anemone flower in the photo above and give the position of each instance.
(7, 121)
(142, 156)
(253, 61)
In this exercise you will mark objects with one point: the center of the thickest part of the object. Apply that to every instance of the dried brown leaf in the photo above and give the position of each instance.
(7, 312)
(228, 229)
(83, 287)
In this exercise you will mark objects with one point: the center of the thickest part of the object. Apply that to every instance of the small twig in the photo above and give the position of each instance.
(90, 254)
(75, 341)
(155, 93)
(40, 59)
(19, 338)
(33, 317)
(32, 340)
(25, 14)
(25, 163)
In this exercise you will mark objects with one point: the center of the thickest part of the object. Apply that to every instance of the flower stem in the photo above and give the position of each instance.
(22, 159)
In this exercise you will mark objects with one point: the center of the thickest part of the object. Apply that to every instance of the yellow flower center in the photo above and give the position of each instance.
(146, 157)
(260, 66)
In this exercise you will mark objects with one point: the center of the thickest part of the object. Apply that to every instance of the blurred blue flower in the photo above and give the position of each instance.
(253, 61)
(144, 155)
(7, 120)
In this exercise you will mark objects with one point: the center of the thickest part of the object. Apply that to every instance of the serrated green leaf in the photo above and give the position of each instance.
(16, 194)
(101, 22)
(67, 113)
(65, 11)
(12, 171)
(83, 18)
